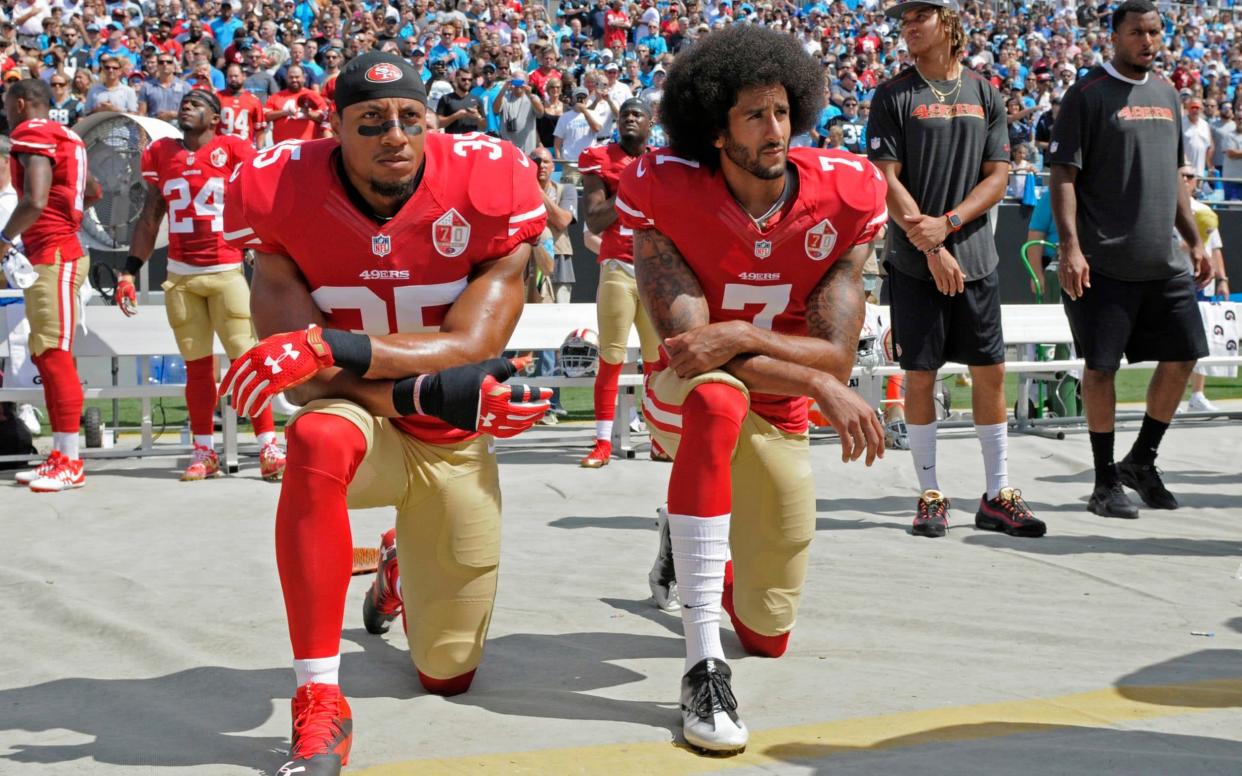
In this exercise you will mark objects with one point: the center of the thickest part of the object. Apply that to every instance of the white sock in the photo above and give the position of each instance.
(994, 439)
(205, 440)
(67, 443)
(923, 450)
(603, 430)
(324, 670)
(700, 549)
(266, 438)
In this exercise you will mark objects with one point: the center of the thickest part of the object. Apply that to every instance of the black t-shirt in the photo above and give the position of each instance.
(1043, 127)
(942, 148)
(852, 131)
(1125, 139)
(451, 103)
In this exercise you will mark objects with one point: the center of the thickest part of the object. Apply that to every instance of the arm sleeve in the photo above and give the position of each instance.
(527, 216)
(1070, 138)
(884, 129)
(247, 212)
(36, 140)
(997, 148)
(633, 201)
(150, 164)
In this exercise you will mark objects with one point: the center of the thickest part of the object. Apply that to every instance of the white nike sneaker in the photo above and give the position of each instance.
(1199, 403)
(663, 577)
(709, 709)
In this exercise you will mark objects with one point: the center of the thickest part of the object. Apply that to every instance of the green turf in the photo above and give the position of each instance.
(1131, 388)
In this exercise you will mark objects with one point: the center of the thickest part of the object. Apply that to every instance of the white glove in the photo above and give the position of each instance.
(17, 269)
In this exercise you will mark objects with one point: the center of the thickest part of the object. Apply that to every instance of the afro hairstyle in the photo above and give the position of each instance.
(705, 79)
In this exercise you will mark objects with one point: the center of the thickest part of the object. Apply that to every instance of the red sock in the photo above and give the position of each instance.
(606, 390)
(314, 546)
(754, 643)
(701, 483)
(892, 391)
(263, 423)
(62, 390)
(200, 394)
(447, 687)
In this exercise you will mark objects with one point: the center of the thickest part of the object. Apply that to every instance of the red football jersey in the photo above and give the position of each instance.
(192, 184)
(296, 126)
(57, 227)
(608, 162)
(478, 200)
(241, 115)
(763, 277)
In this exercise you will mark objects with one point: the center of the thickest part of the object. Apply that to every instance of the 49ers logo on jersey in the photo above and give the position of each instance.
(450, 234)
(383, 73)
(219, 157)
(820, 240)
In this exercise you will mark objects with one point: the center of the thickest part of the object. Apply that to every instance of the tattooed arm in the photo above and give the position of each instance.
(674, 300)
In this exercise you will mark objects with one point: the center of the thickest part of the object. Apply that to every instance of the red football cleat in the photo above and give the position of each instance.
(66, 475)
(323, 731)
(271, 462)
(599, 456)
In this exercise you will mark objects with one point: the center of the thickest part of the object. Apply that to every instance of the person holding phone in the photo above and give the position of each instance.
(517, 107)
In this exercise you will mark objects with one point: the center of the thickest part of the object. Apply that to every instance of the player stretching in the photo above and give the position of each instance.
(749, 259)
(402, 269)
(205, 294)
(616, 302)
(48, 162)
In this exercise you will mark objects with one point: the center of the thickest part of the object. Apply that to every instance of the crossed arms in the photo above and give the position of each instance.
(817, 365)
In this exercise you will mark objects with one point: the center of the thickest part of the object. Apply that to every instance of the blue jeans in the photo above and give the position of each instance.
(546, 361)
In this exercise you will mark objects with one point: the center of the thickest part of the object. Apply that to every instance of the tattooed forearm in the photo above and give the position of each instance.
(837, 306)
(667, 286)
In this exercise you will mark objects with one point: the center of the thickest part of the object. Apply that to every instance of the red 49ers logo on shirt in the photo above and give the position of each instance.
(450, 234)
(820, 240)
(383, 73)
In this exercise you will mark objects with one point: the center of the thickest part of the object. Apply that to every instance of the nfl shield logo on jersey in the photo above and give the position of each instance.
(219, 157)
(381, 245)
(450, 234)
(763, 249)
(820, 240)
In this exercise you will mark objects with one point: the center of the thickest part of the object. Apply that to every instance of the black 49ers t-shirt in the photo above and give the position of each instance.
(1125, 138)
(942, 148)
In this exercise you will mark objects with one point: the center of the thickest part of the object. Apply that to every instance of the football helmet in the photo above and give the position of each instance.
(579, 356)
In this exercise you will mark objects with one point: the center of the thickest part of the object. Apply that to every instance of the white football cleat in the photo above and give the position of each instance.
(67, 475)
(663, 577)
(709, 709)
(42, 470)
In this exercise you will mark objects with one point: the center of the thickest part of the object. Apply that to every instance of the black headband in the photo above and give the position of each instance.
(635, 104)
(204, 96)
(376, 75)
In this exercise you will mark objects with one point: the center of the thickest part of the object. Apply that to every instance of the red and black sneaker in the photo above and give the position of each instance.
(932, 519)
(1009, 513)
(323, 731)
(383, 601)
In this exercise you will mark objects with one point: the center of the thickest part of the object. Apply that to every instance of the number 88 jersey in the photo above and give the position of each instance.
(192, 185)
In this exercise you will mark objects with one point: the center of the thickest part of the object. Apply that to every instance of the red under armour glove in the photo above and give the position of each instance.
(472, 398)
(276, 364)
(126, 297)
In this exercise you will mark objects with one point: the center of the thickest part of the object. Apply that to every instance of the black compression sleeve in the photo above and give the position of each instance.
(350, 351)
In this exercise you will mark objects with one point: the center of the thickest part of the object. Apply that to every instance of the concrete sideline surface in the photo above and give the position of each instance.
(144, 628)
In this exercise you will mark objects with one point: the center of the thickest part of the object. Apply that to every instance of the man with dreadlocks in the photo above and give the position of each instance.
(749, 259)
(938, 133)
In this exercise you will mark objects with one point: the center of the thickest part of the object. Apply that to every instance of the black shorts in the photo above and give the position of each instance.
(931, 328)
(1147, 320)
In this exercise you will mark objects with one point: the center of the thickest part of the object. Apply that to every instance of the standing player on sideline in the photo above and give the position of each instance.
(205, 294)
(48, 162)
(749, 260)
(1126, 289)
(616, 302)
(938, 134)
(383, 290)
(241, 113)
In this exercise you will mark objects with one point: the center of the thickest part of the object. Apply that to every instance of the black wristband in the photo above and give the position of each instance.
(133, 265)
(350, 351)
(403, 396)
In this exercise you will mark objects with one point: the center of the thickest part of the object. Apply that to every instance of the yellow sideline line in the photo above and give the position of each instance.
(813, 742)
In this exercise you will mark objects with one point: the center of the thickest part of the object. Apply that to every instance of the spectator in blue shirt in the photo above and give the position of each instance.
(486, 92)
(305, 13)
(224, 28)
(445, 48)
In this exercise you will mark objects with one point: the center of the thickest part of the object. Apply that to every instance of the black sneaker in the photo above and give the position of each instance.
(1009, 513)
(709, 709)
(1145, 478)
(932, 519)
(1112, 501)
